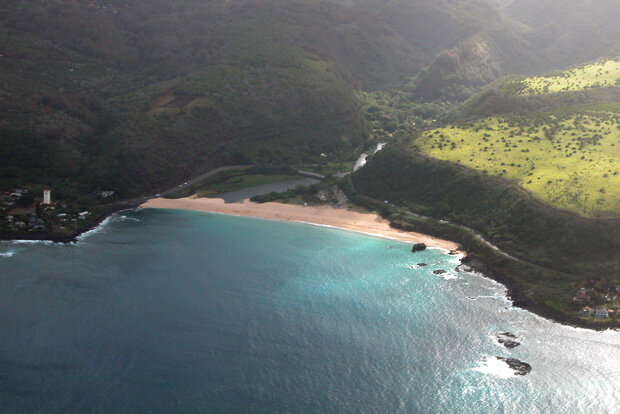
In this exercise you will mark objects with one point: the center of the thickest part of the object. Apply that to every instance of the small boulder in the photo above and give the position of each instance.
(439, 271)
(422, 264)
(418, 247)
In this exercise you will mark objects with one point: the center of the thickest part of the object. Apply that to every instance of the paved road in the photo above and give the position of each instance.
(311, 174)
(201, 178)
(470, 230)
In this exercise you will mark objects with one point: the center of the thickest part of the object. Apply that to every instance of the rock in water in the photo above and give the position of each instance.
(519, 367)
(418, 247)
(508, 334)
(439, 271)
(422, 264)
(509, 340)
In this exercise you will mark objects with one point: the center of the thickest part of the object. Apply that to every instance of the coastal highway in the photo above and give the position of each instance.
(201, 178)
(469, 230)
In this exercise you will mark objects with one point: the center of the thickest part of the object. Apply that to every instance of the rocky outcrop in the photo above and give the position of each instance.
(509, 340)
(519, 367)
(418, 247)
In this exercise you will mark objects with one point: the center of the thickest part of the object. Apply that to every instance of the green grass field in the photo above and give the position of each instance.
(233, 181)
(599, 74)
(570, 160)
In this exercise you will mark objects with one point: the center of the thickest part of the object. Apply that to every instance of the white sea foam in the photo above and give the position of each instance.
(380, 236)
(441, 249)
(31, 242)
(496, 367)
(8, 254)
(125, 218)
(95, 230)
(448, 276)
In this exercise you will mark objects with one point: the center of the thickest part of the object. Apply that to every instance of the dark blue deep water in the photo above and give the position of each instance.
(184, 312)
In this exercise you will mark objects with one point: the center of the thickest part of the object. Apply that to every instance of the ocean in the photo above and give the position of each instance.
(165, 311)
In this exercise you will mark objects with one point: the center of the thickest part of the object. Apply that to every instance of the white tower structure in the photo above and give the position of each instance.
(47, 197)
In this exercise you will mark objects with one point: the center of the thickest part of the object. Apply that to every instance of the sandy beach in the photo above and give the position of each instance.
(320, 215)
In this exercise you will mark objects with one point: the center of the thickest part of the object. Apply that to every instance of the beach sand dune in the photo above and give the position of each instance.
(319, 215)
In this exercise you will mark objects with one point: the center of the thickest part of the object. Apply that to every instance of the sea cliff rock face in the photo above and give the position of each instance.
(418, 247)
(519, 367)
(509, 340)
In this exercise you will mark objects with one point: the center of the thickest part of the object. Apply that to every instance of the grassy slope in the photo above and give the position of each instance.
(569, 159)
(599, 74)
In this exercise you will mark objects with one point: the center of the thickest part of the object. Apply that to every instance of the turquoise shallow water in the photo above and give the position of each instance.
(175, 311)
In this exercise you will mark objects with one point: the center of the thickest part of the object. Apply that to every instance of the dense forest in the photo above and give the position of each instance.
(135, 95)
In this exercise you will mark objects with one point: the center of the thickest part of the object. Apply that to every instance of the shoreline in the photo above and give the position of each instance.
(374, 225)
(74, 236)
(326, 216)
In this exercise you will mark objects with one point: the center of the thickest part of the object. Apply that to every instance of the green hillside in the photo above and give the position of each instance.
(603, 73)
(130, 96)
(538, 175)
(569, 159)
(556, 252)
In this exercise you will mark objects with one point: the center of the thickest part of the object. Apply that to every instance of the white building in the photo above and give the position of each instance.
(47, 197)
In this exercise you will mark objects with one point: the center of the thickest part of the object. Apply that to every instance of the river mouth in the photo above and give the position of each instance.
(246, 193)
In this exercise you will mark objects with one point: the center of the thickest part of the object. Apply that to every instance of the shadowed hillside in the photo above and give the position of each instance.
(252, 81)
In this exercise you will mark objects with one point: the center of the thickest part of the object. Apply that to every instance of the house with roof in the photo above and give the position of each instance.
(601, 313)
